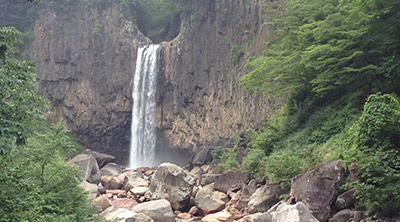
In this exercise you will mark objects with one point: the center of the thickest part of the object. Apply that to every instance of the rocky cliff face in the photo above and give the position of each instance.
(86, 61)
(202, 101)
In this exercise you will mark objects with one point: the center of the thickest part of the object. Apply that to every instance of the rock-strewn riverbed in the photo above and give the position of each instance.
(200, 192)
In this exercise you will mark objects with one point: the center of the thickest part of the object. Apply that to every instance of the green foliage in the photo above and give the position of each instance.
(36, 184)
(373, 143)
(236, 53)
(157, 19)
(20, 106)
(229, 159)
(326, 48)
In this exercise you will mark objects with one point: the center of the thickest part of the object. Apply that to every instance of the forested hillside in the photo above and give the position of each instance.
(337, 63)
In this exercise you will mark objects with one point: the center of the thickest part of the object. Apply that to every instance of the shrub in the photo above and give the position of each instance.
(374, 143)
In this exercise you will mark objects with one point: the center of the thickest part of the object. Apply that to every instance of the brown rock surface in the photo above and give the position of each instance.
(317, 188)
(126, 203)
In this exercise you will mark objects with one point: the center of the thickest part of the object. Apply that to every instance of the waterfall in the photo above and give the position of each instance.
(143, 128)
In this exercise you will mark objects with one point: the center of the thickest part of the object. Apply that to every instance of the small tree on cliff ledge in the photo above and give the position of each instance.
(374, 143)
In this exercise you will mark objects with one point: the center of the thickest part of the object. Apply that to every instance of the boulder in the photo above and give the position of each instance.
(196, 172)
(91, 189)
(118, 193)
(111, 182)
(139, 190)
(218, 217)
(117, 214)
(110, 169)
(293, 213)
(258, 217)
(139, 218)
(318, 187)
(264, 198)
(102, 202)
(172, 183)
(209, 201)
(124, 203)
(345, 200)
(231, 181)
(208, 178)
(346, 215)
(202, 157)
(133, 179)
(158, 210)
(213, 168)
(88, 165)
(101, 158)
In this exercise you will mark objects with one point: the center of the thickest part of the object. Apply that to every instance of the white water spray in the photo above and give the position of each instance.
(143, 129)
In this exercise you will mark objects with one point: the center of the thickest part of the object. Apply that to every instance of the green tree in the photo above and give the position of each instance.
(374, 144)
(20, 106)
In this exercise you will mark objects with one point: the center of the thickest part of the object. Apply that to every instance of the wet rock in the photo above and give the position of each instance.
(345, 200)
(264, 198)
(172, 183)
(318, 187)
(231, 181)
(209, 201)
(158, 210)
(110, 169)
(101, 158)
(88, 165)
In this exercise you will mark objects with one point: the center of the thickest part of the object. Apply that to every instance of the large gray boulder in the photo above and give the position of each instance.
(172, 183)
(264, 198)
(293, 213)
(209, 201)
(231, 181)
(101, 158)
(110, 169)
(318, 187)
(89, 167)
(158, 210)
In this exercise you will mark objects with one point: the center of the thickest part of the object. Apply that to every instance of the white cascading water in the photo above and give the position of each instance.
(143, 129)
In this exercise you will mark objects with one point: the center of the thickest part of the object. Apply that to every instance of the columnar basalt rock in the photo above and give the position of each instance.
(86, 62)
(86, 59)
(201, 100)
